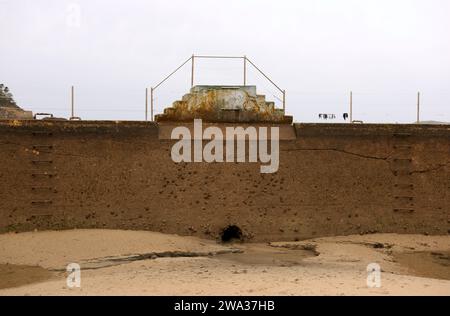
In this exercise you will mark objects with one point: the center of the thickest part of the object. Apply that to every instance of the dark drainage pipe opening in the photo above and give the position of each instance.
(231, 233)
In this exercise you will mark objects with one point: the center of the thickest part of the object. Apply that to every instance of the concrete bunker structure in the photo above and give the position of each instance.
(237, 104)
(333, 179)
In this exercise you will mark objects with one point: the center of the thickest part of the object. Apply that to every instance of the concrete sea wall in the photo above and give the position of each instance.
(333, 179)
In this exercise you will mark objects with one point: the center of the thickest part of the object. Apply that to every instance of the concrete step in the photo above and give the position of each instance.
(270, 105)
(186, 97)
(261, 98)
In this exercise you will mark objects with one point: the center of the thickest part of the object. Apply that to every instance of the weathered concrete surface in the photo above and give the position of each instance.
(224, 104)
(333, 180)
(286, 131)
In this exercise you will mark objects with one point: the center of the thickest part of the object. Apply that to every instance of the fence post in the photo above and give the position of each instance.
(351, 107)
(418, 107)
(284, 101)
(151, 104)
(72, 102)
(192, 71)
(146, 104)
(245, 71)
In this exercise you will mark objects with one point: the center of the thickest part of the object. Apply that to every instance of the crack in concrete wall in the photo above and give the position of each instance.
(440, 166)
(340, 151)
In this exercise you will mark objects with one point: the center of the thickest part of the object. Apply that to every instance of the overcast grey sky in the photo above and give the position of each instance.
(318, 50)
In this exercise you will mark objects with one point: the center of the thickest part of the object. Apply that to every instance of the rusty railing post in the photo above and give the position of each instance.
(284, 101)
(192, 71)
(245, 71)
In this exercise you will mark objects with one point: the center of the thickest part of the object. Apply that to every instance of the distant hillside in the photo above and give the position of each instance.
(9, 109)
(6, 97)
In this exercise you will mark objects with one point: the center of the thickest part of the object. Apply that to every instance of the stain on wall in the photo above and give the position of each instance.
(334, 179)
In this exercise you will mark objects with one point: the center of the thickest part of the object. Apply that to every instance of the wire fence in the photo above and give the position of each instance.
(372, 107)
(133, 102)
(369, 107)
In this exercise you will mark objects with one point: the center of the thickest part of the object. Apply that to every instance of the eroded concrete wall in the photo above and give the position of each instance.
(333, 180)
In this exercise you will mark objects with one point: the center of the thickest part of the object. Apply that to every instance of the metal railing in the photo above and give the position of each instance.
(192, 60)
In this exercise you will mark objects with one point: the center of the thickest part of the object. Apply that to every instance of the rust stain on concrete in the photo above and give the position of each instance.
(224, 104)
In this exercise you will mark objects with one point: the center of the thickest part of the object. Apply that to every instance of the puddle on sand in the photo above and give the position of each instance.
(435, 265)
(262, 254)
(12, 275)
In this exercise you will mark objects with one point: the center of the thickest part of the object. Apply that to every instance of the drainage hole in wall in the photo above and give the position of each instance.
(231, 233)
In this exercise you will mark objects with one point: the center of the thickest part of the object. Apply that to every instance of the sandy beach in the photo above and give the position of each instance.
(145, 263)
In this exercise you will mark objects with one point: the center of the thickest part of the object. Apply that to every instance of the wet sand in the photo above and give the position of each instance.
(426, 264)
(146, 263)
(12, 275)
